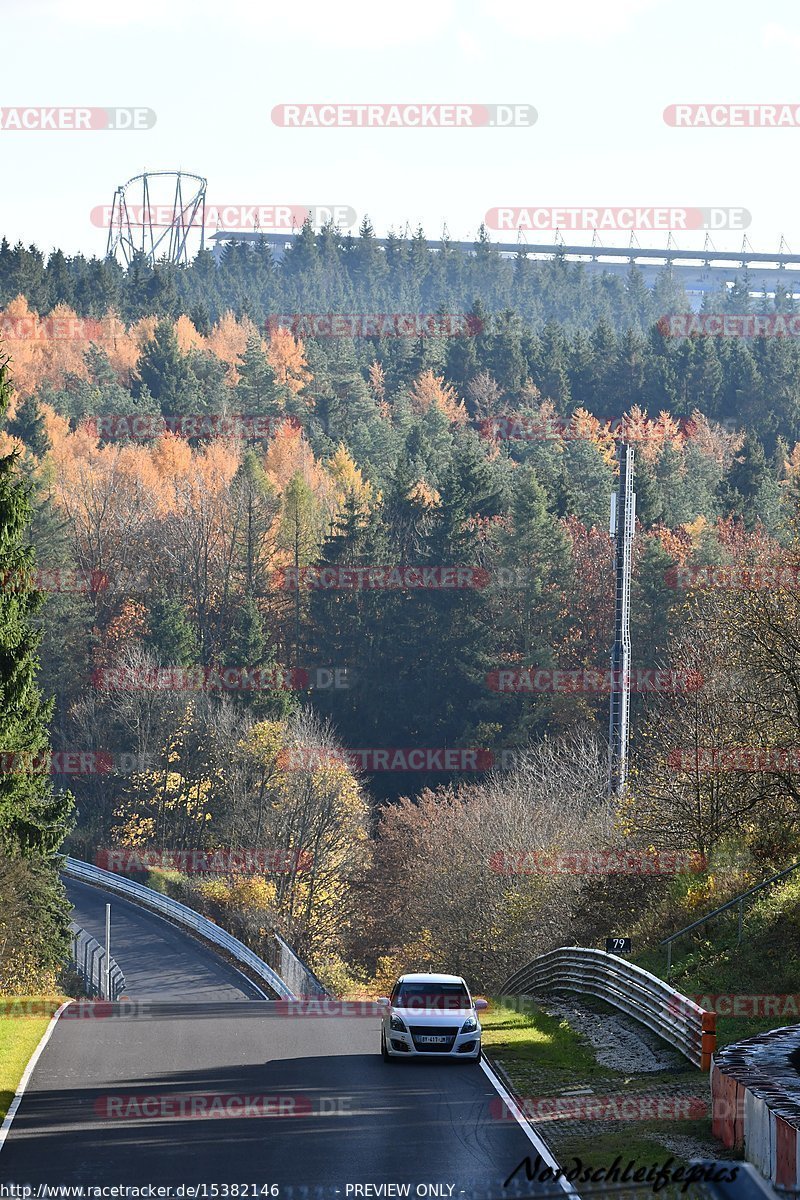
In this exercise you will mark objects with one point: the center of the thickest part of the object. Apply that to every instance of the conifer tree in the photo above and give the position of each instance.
(34, 818)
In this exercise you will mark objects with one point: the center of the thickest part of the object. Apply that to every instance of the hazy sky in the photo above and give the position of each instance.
(599, 73)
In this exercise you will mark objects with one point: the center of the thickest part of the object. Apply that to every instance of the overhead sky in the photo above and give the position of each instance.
(599, 73)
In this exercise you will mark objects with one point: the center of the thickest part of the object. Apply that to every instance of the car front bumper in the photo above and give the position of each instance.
(410, 1044)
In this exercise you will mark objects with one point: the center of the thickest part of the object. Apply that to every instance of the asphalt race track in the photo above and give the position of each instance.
(159, 961)
(190, 1082)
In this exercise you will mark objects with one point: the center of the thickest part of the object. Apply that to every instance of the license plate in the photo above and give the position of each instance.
(438, 1040)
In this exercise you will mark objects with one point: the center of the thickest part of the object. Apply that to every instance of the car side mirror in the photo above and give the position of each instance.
(481, 1004)
(382, 1000)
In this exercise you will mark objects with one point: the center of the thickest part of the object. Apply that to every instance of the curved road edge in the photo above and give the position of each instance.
(181, 915)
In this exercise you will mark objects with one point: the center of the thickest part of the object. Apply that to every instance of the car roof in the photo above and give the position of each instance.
(427, 977)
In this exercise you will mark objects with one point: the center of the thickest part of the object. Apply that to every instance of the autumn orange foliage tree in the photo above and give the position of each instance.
(286, 356)
(430, 390)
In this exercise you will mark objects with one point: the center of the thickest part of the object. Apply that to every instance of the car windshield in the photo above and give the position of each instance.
(431, 996)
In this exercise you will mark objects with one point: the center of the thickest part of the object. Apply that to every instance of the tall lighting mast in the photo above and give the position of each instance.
(623, 518)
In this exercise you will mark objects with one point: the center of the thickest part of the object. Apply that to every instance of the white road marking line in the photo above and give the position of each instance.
(530, 1133)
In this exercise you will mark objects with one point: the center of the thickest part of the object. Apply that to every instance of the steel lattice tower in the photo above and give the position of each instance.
(623, 519)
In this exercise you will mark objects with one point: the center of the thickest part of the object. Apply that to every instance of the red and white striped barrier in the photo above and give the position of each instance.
(755, 1104)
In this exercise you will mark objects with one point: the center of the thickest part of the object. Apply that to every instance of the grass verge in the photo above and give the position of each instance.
(545, 1058)
(534, 1039)
(19, 1037)
(759, 975)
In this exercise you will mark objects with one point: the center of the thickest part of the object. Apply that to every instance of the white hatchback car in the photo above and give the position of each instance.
(431, 1014)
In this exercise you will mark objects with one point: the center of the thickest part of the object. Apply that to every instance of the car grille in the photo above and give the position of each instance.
(419, 1031)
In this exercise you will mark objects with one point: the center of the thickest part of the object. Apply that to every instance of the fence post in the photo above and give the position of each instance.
(107, 964)
(708, 1039)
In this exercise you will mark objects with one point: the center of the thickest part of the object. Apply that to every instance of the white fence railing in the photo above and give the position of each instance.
(182, 915)
(89, 960)
(634, 991)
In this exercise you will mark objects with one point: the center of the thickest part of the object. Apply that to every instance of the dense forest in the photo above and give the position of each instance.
(235, 625)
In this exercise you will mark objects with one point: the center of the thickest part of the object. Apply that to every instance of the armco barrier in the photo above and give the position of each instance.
(173, 910)
(641, 995)
(294, 972)
(89, 960)
(755, 1103)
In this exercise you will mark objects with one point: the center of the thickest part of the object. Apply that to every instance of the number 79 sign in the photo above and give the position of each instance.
(618, 945)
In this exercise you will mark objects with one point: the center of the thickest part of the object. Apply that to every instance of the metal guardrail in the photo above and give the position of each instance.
(634, 991)
(296, 974)
(89, 960)
(181, 914)
(736, 901)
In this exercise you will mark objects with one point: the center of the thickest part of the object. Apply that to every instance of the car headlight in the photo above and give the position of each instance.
(470, 1025)
(398, 1025)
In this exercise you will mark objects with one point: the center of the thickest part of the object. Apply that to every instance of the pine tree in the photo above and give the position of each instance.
(166, 374)
(29, 426)
(649, 495)
(258, 507)
(553, 379)
(245, 644)
(34, 819)
(750, 489)
(535, 550)
(256, 391)
(171, 634)
(299, 535)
